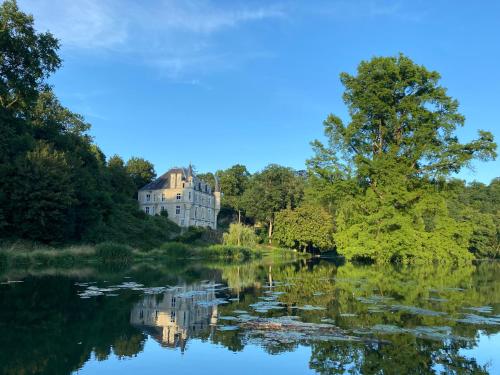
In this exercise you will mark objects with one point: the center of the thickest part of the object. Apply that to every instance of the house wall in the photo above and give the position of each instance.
(194, 208)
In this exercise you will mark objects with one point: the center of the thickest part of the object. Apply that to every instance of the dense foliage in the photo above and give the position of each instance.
(309, 227)
(55, 184)
(380, 174)
(240, 235)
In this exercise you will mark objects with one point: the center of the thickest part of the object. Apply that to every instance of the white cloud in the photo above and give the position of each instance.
(174, 35)
(110, 23)
(87, 24)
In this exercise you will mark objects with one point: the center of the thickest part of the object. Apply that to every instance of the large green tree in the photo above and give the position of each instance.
(271, 190)
(399, 139)
(141, 171)
(307, 228)
(233, 183)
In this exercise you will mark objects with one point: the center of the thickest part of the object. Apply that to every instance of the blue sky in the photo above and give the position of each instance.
(224, 82)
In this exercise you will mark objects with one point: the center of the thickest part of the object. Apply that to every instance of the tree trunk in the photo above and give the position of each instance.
(239, 216)
(270, 234)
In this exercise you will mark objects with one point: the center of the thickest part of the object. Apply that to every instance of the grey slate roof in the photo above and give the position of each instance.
(163, 182)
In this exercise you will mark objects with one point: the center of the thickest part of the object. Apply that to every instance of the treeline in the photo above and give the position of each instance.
(56, 186)
(380, 189)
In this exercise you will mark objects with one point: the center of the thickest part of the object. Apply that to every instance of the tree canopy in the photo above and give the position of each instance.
(380, 170)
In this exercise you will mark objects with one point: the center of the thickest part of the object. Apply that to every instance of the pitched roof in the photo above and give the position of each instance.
(163, 182)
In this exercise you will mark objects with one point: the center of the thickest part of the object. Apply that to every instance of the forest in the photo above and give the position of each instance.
(381, 187)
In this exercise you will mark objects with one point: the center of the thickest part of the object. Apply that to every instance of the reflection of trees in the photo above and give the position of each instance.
(47, 329)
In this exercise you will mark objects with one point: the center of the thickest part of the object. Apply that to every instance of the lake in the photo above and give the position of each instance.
(314, 316)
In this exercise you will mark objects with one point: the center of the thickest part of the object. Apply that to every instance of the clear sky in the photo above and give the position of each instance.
(224, 82)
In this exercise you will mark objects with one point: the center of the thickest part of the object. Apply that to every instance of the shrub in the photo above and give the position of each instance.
(191, 235)
(20, 260)
(4, 259)
(113, 252)
(176, 249)
(240, 235)
(229, 252)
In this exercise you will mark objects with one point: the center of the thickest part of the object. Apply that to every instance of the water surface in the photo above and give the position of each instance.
(294, 318)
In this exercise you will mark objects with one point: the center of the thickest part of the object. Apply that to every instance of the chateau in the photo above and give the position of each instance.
(188, 200)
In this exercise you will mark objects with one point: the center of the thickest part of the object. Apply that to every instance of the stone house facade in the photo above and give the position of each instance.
(188, 200)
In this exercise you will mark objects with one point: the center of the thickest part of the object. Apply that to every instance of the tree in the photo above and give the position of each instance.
(400, 138)
(273, 189)
(141, 171)
(42, 190)
(400, 113)
(240, 235)
(27, 58)
(233, 182)
(307, 228)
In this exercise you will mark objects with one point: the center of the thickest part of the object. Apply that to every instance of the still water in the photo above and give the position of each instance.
(291, 318)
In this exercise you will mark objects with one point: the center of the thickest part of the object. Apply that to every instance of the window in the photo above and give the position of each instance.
(177, 210)
(162, 208)
(147, 210)
(172, 316)
(195, 212)
(178, 196)
(162, 197)
(148, 197)
(189, 195)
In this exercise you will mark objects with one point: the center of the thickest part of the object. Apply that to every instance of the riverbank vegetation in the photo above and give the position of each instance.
(380, 189)
(29, 255)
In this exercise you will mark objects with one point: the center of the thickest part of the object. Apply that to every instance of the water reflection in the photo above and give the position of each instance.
(356, 319)
(177, 314)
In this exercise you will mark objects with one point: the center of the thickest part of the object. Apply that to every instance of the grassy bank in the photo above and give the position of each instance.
(29, 255)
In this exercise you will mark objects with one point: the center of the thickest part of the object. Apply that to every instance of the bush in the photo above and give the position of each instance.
(20, 260)
(240, 235)
(230, 252)
(191, 235)
(113, 252)
(176, 249)
(4, 259)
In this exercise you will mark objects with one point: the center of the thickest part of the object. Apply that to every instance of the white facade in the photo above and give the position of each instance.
(188, 200)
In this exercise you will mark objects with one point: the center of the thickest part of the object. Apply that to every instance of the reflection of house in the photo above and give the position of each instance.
(176, 315)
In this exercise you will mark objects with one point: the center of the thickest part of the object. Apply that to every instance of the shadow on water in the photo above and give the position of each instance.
(357, 318)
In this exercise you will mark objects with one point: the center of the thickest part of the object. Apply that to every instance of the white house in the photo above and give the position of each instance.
(188, 200)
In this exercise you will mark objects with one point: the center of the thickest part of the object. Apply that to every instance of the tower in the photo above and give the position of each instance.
(217, 196)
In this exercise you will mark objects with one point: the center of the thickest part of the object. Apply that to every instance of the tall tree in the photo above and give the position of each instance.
(399, 138)
(271, 190)
(233, 182)
(141, 171)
